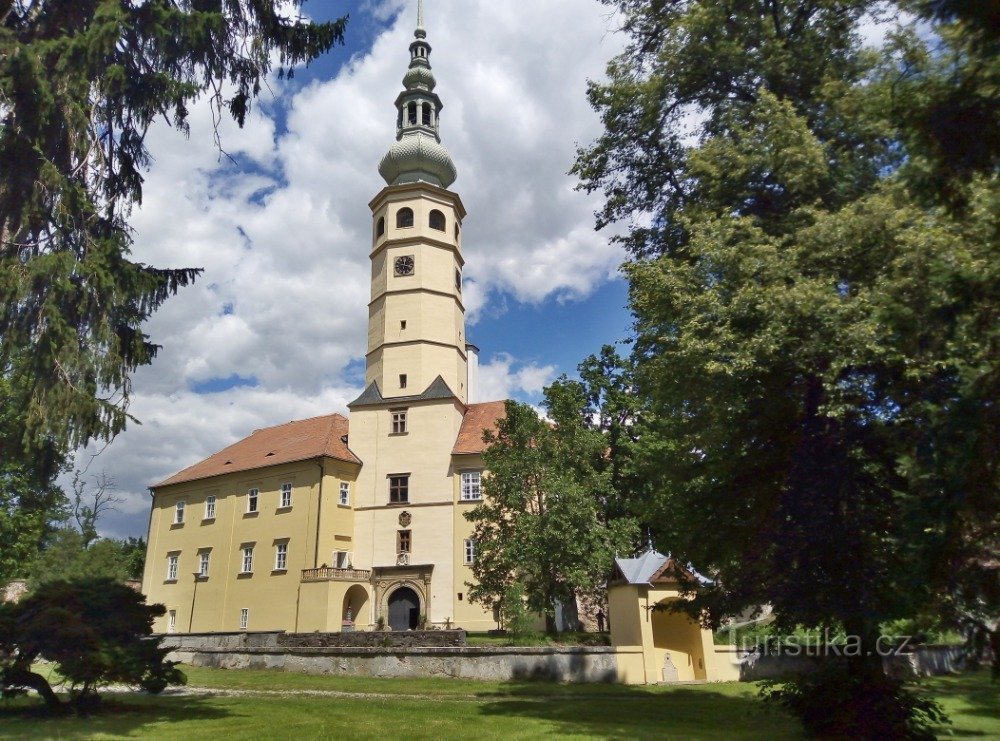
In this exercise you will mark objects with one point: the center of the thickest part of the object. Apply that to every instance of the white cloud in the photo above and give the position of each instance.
(284, 237)
(504, 377)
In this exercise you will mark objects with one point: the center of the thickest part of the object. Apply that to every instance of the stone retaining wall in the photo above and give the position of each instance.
(375, 639)
(584, 664)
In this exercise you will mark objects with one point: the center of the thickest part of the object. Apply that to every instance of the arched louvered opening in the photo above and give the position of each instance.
(437, 220)
(404, 218)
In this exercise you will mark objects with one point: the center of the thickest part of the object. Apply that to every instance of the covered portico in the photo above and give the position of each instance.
(656, 644)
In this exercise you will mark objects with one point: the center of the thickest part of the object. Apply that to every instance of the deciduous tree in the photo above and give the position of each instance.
(816, 336)
(542, 530)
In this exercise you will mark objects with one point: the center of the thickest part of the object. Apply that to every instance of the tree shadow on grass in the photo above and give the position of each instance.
(117, 715)
(970, 694)
(618, 711)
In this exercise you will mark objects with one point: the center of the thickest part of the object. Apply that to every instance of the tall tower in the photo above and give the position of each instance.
(404, 426)
(416, 318)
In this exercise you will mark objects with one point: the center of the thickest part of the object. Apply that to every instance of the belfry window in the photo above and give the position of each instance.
(426, 114)
(404, 218)
(380, 227)
(436, 220)
(411, 113)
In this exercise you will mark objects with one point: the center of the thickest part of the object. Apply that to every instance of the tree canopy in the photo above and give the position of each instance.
(81, 81)
(96, 631)
(542, 532)
(815, 282)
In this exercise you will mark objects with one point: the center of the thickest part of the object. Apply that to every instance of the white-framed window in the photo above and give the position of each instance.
(472, 485)
(244, 618)
(247, 559)
(172, 621)
(281, 556)
(342, 559)
(210, 507)
(179, 512)
(398, 421)
(203, 563)
(253, 497)
(345, 492)
(172, 567)
(286, 495)
(470, 551)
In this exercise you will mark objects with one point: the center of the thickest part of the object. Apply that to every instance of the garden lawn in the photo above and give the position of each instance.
(441, 709)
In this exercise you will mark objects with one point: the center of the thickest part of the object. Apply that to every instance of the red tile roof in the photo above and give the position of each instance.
(478, 417)
(293, 441)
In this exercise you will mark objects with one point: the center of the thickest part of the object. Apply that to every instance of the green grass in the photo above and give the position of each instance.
(442, 708)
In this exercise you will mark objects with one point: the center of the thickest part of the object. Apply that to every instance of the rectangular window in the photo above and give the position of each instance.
(342, 559)
(252, 496)
(403, 541)
(399, 489)
(286, 495)
(398, 421)
(345, 493)
(247, 560)
(203, 563)
(471, 486)
(281, 556)
(402, 324)
(210, 507)
(470, 551)
(179, 512)
(244, 618)
(171, 568)
(172, 621)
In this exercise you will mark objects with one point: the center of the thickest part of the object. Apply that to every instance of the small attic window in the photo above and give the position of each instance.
(269, 454)
(227, 463)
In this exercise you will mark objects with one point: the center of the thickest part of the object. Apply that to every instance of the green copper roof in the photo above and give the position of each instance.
(417, 155)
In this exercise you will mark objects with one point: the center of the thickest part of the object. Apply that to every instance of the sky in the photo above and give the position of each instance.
(275, 328)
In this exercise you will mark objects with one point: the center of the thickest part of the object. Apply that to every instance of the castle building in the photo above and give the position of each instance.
(328, 523)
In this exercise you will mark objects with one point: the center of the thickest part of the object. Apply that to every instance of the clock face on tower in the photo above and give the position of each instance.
(404, 265)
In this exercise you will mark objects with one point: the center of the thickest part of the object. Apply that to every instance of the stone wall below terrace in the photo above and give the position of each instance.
(375, 639)
(501, 663)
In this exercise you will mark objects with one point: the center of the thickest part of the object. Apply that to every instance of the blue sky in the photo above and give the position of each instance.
(275, 328)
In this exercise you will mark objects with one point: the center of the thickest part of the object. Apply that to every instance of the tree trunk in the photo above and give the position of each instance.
(24, 678)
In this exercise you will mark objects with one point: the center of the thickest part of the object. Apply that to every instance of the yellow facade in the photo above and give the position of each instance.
(395, 547)
(654, 643)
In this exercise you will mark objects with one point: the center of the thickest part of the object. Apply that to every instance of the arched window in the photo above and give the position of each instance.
(456, 231)
(458, 284)
(426, 114)
(411, 113)
(437, 220)
(404, 218)
(380, 227)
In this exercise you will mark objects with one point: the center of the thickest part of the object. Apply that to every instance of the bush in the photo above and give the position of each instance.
(838, 701)
(95, 631)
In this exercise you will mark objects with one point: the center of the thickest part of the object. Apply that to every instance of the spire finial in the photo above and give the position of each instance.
(420, 32)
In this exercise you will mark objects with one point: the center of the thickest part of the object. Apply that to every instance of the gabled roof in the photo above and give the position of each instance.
(478, 417)
(640, 570)
(372, 396)
(287, 443)
(653, 567)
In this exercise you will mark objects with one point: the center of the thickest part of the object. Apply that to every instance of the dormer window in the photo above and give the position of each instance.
(404, 218)
(436, 220)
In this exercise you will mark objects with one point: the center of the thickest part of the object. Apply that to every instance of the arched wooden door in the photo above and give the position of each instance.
(404, 609)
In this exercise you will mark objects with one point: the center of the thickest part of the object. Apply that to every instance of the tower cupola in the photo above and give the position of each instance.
(417, 155)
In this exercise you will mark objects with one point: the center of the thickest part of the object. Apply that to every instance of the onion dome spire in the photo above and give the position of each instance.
(417, 155)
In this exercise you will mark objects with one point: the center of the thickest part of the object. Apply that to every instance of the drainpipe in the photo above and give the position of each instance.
(319, 512)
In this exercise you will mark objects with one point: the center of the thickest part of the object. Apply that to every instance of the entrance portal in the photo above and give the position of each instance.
(404, 609)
